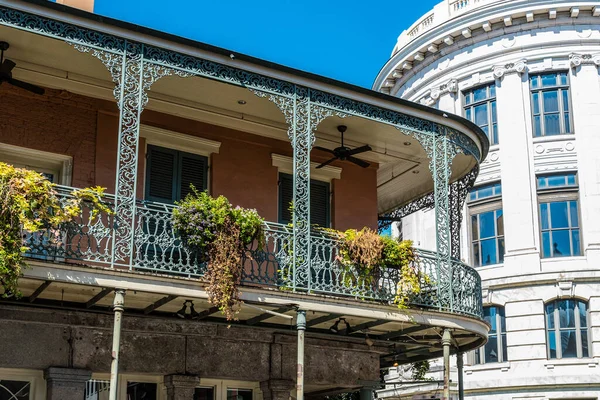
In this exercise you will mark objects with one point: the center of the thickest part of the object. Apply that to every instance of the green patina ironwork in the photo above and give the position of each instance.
(140, 236)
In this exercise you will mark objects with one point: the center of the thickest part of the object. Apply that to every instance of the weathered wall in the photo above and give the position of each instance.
(58, 122)
(39, 338)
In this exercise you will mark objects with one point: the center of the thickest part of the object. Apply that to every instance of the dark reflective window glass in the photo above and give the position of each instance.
(141, 391)
(239, 394)
(204, 393)
(14, 390)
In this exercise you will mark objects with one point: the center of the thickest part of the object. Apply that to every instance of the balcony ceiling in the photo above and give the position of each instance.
(402, 164)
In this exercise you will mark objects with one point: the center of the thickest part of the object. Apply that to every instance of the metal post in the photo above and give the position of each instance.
(446, 342)
(366, 393)
(116, 345)
(301, 326)
(459, 366)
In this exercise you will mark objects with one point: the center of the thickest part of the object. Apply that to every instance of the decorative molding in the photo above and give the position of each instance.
(449, 87)
(60, 163)
(179, 141)
(564, 289)
(519, 67)
(575, 59)
(557, 154)
(285, 164)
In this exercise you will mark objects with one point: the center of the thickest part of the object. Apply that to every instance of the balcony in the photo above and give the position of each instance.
(445, 286)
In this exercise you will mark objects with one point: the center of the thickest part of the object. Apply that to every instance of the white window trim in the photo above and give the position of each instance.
(61, 163)
(221, 387)
(124, 378)
(35, 377)
(179, 141)
(285, 164)
(480, 206)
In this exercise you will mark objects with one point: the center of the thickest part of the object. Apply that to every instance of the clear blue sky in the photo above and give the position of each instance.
(345, 40)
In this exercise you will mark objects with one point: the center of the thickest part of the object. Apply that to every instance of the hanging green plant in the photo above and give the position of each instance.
(29, 203)
(220, 234)
(365, 255)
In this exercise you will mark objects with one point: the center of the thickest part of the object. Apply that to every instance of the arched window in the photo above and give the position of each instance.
(566, 326)
(495, 348)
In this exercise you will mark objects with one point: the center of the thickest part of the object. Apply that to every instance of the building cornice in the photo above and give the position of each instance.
(478, 25)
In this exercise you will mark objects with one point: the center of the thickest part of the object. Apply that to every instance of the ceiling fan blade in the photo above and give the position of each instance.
(327, 162)
(360, 149)
(27, 86)
(323, 149)
(7, 66)
(358, 161)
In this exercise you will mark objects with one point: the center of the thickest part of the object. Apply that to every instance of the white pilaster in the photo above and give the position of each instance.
(585, 91)
(517, 174)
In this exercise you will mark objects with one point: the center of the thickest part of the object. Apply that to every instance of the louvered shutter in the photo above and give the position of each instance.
(161, 174)
(193, 170)
(286, 195)
(319, 201)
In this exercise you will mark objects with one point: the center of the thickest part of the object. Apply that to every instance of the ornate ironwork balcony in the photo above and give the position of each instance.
(449, 286)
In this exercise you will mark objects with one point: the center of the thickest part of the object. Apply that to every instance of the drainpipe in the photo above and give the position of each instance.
(301, 326)
(459, 366)
(116, 344)
(446, 342)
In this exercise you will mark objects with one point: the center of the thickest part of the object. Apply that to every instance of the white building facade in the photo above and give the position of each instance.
(526, 72)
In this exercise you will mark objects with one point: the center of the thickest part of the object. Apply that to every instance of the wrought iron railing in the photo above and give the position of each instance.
(445, 284)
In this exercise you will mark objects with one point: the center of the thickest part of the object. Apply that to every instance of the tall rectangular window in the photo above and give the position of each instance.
(487, 225)
(559, 215)
(480, 107)
(495, 349)
(550, 104)
(169, 174)
(319, 201)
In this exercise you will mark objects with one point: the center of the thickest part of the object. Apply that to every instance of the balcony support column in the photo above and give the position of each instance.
(133, 76)
(303, 117)
(446, 342)
(441, 153)
(118, 303)
(301, 326)
(459, 366)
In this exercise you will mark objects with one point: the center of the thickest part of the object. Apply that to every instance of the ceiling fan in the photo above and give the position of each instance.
(345, 153)
(6, 67)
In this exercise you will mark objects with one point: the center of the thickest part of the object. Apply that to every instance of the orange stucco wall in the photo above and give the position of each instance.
(87, 130)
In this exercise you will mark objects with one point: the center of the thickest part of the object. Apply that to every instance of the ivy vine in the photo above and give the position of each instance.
(29, 203)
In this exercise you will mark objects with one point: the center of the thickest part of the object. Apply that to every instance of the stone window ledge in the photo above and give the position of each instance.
(554, 138)
(503, 367)
(590, 362)
(551, 260)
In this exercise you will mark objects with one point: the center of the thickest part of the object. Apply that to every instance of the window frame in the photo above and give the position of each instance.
(280, 205)
(557, 328)
(37, 386)
(176, 172)
(561, 110)
(480, 206)
(479, 359)
(556, 194)
(492, 134)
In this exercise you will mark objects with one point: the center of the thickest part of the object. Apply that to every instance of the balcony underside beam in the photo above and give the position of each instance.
(159, 303)
(39, 291)
(102, 294)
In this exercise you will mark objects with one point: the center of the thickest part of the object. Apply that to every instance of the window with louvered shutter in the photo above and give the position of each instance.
(319, 201)
(169, 174)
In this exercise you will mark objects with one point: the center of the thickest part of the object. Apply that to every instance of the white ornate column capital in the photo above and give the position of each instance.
(519, 67)
(575, 59)
(449, 87)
